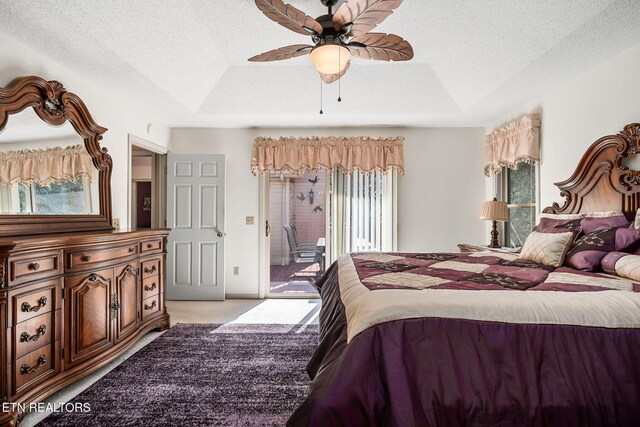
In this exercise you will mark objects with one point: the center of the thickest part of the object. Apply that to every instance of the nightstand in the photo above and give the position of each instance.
(465, 247)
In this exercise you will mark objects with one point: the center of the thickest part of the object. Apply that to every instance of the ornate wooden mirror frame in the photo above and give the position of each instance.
(54, 105)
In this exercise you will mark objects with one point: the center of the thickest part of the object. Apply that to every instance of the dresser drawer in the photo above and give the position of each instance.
(41, 299)
(81, 259)
(33, 334)
(150, 268)
(34, 266)
(150, 286)
(33, 368)
(152, 245)
(151, 307)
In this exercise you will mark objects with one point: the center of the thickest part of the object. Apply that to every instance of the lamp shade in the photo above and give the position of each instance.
(330, 58)
(494, 210)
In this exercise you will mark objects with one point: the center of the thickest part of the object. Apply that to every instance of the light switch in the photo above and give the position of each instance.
(251, 220)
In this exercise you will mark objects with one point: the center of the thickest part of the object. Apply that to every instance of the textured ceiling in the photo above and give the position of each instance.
(187, 60)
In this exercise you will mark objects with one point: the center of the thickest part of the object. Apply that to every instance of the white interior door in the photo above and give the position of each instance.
(195, 212)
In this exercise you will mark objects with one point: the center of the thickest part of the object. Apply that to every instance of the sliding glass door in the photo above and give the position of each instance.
(297, 233)
(315, 217)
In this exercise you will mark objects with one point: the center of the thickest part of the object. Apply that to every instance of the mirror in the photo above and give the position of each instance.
(54, 175)
(45, 169)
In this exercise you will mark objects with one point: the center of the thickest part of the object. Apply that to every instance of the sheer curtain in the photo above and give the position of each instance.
(363, 212)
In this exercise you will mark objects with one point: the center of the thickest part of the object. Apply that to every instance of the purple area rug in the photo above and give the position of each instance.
(203, 375)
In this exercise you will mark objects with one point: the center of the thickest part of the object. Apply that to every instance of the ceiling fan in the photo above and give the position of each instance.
(337, 37)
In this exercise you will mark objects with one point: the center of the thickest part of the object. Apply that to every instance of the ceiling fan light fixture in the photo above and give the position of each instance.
(330, 58)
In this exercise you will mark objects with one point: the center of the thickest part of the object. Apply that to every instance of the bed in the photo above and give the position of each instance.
(484, 339)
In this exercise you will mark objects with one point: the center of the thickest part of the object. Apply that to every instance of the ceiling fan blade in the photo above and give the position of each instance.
(364, 14)
(381, 47)
(289, 17)
(281, 53)
(330, 78)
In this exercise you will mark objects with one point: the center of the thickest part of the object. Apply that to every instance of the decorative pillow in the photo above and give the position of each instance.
(563, 217)
(624, 265)
(609, 261)
(590, 224)
(636, 222)
(604, 214)
(627, 240)
(587, 252)
(547, 224)
(577, 230)
(547, 248)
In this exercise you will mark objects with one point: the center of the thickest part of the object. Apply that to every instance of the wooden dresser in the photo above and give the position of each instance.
(70, 303)
(74, 293)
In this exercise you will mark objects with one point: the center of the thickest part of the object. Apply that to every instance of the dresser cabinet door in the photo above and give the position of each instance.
(90, 306)
(128, 289)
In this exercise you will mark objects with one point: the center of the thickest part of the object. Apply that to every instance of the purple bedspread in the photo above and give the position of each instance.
(441, 372)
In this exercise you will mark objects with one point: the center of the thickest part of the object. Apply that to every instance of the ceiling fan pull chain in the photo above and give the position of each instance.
(339, 78)
(321, 112)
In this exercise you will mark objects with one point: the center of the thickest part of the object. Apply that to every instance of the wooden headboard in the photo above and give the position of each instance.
(601, 182)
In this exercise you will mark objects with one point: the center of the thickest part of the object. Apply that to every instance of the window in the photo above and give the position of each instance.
(57, 197)
(519, 191)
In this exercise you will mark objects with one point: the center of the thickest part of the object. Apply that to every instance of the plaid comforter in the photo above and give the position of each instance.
(476, 271)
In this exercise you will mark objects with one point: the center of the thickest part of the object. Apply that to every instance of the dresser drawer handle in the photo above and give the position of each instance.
(25, 337)
(132, 250)
(26, 307)
(26, 369)
(148, 270)
(115, 306)
(150, 307)
(149, 245)
(34, 266)
(150, 288)
(86, 258)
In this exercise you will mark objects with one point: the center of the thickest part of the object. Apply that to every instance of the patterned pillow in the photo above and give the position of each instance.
(588, 251)
(590, 224)
(547, 248)
(547, 224)
(624, 265)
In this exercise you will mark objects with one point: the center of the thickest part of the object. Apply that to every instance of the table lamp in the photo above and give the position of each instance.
(493, 210)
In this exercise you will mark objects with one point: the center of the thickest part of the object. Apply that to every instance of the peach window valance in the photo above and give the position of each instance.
(347, 154)
(44, 166)
(518, 141)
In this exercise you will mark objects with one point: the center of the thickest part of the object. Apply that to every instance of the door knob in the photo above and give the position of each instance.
(221, 234)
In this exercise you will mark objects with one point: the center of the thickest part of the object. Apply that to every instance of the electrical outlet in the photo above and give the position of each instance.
(251, 220)
(236, 271)
(116, 223)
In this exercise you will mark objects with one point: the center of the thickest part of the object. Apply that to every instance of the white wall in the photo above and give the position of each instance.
(438, 197)
(599, 102)
(120, 116)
